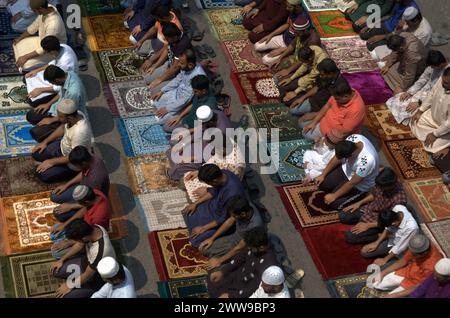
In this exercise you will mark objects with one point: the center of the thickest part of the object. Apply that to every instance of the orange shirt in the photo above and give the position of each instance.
(347, 118)
(418, 269)
(158, 26)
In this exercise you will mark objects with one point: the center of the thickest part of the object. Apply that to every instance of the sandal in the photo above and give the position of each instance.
(244, 121)
(197, 35)
(209, 50)
(201, 52)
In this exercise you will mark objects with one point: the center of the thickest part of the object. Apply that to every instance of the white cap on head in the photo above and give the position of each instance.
(204, 113)
(108, 267)
(67, 107)
(410, 13)
(80, 192)
(273, 276)
(443, 267)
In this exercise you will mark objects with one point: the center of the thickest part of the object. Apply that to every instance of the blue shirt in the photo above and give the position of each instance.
(72, 89)
(397, 14)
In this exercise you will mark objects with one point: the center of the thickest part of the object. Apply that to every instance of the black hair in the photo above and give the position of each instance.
(386, 178)
(386, 217)
(395, 41)
(238, 204)
(417, 18)
(50, 43)
(446, 72)
(328, 66)
(435, 58)
(200, 82)
(344, 149)
(77, 229)
(341, 88)
(190, 55)
(79, 155)
(305, 53)
(209, 172)
(170, 30)
(161, 11)
(256, 237)
(53, 72)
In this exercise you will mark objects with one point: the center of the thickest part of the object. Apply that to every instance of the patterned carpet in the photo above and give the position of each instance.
(353, 286)
(106, 32)
(242, 56)
(212, 4)
(7, 61)
(121, 65)
(184, 288)
(97, 7)
(383, 124)
(13, 94)
(220, 20)
(319, 5)
(441, 234)
(15, 139)
(332, 24)
(256, 87)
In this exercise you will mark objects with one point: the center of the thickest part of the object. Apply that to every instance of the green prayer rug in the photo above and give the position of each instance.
(184, 288)
(98, 7)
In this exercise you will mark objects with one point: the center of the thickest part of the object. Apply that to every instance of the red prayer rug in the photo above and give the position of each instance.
(242, 56)
(256, 87)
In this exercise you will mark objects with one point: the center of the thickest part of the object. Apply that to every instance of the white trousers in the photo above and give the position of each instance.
(390, 282)
(275, 43)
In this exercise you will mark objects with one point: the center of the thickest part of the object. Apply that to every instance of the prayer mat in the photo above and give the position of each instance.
(174, 255)
(6, 32)
(332, 24)
(162, 210)
(410, 159)
(28, 220)
(184, 288)
(306, 207)
(276, 116)
(106, 32)
(7, 60)
(290, 154)
(350, 54)
(370, 85)
(142, 136)
(319, 5)
(256, 87)
(431, 197)
(15, 139)
(353, 286)
(97, 7)
(221, 19)
(242, 56)
(129, 99)
(440, 231)
(333, 256)
(28, 276)
(212, 4)
(13, 94)
(384, 125)
(121, 65)
(17, 177)
(148, 174)
(117, 228)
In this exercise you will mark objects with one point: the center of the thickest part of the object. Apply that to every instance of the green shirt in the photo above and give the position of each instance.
(208, 100)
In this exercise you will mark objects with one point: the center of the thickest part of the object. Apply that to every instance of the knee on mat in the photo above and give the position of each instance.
(254, 37)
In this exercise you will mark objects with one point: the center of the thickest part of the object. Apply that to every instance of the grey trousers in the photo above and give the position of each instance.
(313, 134)
(222, 245)
(381, 251)
(157, 73)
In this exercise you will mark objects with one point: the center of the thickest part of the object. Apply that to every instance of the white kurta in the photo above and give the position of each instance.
(317, 159)
(435, 119)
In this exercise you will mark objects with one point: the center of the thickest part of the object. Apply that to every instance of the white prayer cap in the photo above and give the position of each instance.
(410, 13)
(67, 107)
(108, 267)
(443, 267)
(273, 276)
(204, 113)
(80, 192)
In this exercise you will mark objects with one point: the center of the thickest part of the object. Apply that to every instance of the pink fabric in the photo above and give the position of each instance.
(370, 85)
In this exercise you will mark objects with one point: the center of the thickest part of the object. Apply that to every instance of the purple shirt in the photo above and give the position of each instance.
(97, 176)
(430, 288)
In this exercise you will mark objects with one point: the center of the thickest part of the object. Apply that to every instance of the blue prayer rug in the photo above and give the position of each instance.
(6, 32)
(290, 154)
(15, 139)
(7, 61)
(142, 136)
(214, 4)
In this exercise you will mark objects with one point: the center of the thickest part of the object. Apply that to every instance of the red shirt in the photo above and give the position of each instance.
(100, 212)
(347, 118)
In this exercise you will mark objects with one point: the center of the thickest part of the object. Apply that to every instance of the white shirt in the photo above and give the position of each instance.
(260, 293)
(79, 134)
(366, 165)
(124, 290)
(403, 233)
(66, 60)
(423, 32)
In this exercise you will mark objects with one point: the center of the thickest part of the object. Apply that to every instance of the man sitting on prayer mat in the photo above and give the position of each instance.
(406, 62)
(21, 15)
(93, 173)
(44, 117)
(53, 152)
(262, 17)
(27, 49)
(278, 40)
(431, 123)
(387, 193)
(119, 282)
(351, 173)
(224, 244)
(178, 93)
(94, 241)
(344, 111)
(405, 104)
(241, 277)
(437, 285)
(406, 274)
(41, 91)
(273, 284)
(204, 216)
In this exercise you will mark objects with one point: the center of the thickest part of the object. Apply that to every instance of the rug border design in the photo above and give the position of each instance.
(20, 150)
(375, 126)
(168, 289)
(237, 36)
(314, 18)
(234, 68)
(237, 78)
